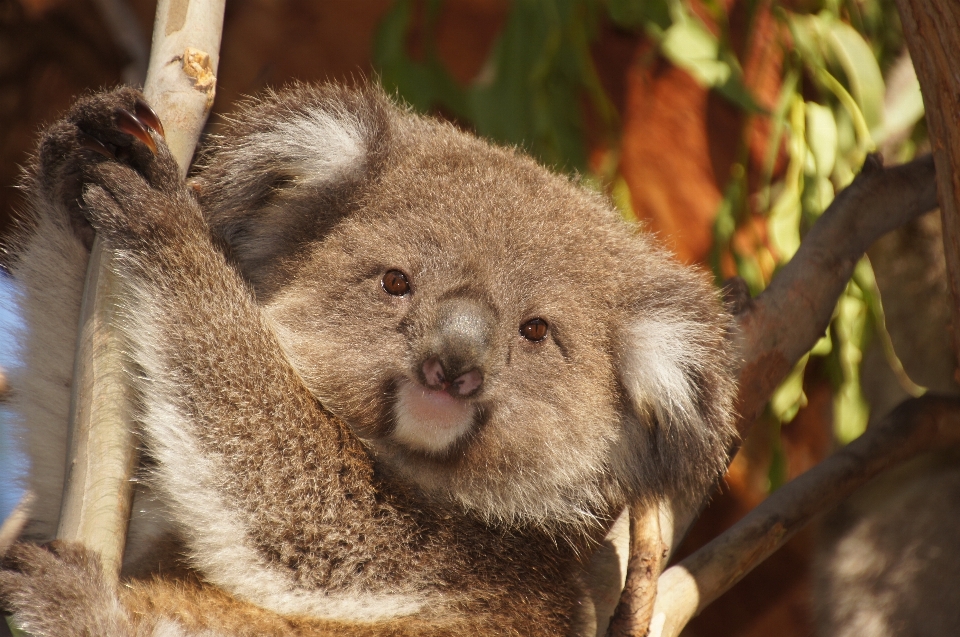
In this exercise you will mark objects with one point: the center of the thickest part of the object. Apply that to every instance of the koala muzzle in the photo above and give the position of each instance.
(457, 347)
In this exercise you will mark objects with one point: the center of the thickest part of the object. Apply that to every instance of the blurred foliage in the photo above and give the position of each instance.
(530, 91)
(834, 107)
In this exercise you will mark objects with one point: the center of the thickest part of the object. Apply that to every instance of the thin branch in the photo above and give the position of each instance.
(98, 490)
(918, 424)
(647, 554)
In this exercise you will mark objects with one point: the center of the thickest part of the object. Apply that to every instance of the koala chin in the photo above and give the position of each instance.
(430, 420)
(391, 379)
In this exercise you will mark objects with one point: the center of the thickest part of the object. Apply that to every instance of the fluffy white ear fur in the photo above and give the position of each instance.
(319, 148)
(660, 359)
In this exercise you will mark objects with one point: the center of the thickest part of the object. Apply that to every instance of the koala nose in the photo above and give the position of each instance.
(458, 346)
(463, 385)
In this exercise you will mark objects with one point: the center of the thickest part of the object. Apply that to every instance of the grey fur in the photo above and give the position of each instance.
(287, 396)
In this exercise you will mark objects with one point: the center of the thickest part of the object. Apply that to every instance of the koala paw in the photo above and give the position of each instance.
(59, 589)
(107, 163)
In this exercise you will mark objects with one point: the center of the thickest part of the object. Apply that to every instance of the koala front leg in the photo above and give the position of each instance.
(230, 425)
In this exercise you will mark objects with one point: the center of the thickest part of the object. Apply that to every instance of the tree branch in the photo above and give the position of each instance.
(101, 458)
(918, 424)
(647, 554)
(770, 337)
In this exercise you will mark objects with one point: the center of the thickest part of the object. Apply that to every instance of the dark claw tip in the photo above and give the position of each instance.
(149, 117)
(128, 123)
(88, 142)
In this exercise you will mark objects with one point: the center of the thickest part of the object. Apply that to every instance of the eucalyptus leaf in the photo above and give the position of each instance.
(860, 65)
(788, 398)
(785, 215)
(823, 346)
(692, 47)
(784, 225)
(851, 411)
(622, 199)
(15, 630)
(806, 32)
(821, 133)
(735, 91)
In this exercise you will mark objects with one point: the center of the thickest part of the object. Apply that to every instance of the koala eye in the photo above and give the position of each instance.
(534, 330)
(395, 282)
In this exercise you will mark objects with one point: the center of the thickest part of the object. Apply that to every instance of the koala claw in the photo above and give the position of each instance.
(92, 143)
(132, 125)
(149, 117)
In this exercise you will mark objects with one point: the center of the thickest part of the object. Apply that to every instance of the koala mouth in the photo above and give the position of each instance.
(430, 420)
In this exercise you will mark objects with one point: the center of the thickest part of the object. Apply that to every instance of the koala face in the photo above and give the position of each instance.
(494, 333)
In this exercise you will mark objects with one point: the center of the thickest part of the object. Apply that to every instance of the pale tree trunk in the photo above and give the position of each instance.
(180, 85)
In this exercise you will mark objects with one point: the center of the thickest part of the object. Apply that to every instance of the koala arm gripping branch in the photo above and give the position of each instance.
(194, 329)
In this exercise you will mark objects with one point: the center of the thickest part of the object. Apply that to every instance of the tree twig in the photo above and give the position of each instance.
(918, 424)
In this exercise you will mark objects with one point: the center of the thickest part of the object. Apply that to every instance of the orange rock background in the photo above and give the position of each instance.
(679, 145)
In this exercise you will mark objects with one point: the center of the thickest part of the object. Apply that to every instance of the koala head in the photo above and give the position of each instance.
(492, 331)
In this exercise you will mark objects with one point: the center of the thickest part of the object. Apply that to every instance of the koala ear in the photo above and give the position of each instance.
(675, 372)
(659, 364)
(287, 168)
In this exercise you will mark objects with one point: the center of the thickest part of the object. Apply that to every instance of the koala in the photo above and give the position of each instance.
(391, 379)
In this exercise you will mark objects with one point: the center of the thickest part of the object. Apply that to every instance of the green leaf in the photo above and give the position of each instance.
(807, 34)
(784, 216)
(691, 46)
(853, 109)
(865, 279)
(784, 224)
(620, 193)
(823, 346)
(821, 134)
(14, 629)
(777, 474)
(860, 65)
(851, 411)
(788, 398)
(735, 91)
